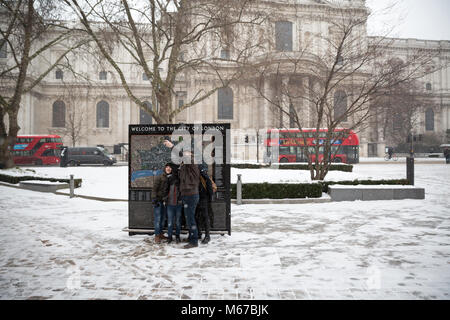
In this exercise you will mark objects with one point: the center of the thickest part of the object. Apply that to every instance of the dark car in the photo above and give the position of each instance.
(89, 155)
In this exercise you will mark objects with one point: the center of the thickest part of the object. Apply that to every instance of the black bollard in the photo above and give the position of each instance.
(410, 170)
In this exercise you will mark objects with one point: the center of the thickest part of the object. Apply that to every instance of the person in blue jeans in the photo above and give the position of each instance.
(189, 176)
(159, 194)
(159, 212)
(173, 202)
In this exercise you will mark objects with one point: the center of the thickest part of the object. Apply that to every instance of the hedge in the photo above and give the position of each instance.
(301, 190)
(17, 179)
(297, 166)
(249, 166)
(325, 184)
(278, 191)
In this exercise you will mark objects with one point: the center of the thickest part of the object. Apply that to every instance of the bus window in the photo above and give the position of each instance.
(335, 149)
(301, 155)
(49, 153)
(292, 150)
(352, 152)
(312, 150)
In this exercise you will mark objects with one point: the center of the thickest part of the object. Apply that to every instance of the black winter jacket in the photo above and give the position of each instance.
(205, 191)
(173, 193)
(160, 187)
(189, 175)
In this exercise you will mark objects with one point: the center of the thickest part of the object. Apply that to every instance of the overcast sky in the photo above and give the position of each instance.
(422, 19)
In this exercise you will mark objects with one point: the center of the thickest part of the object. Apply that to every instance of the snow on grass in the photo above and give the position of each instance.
(59, 248)
(98, 181)
(112, 182)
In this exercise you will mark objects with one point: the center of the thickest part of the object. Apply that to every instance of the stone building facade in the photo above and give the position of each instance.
(102, 110)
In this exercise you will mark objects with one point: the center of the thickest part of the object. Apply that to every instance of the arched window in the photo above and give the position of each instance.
(102, 114)
(429, 119)
(59, 74)
(145, 117)
(59, 114)
(283, 36)
(181, 96)
(225, 103)
(340, 105)
(225, 54)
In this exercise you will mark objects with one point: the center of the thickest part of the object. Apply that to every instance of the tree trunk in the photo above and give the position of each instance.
(8, 141)
(3, 141)
(165, 106)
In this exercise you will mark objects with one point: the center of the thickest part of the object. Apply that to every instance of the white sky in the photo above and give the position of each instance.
(422, 19)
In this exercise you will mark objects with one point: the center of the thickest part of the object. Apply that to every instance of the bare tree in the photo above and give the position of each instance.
(29, 29)
(170, 42)
(331, 83)
(398, 111)
(73, 116)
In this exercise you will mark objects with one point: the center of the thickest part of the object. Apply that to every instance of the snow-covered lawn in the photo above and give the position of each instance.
(112, 182)
(60, 248)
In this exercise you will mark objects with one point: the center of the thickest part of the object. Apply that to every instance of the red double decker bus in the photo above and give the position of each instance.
(37, 149)
(291, 145)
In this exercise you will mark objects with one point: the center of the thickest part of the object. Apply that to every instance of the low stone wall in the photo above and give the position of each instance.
(42, 186)
(372, 193)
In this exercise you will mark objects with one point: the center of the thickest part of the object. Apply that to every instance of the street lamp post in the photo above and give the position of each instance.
(410, 161)
(257, 145)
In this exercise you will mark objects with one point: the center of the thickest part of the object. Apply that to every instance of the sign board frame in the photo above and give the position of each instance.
(140, 209)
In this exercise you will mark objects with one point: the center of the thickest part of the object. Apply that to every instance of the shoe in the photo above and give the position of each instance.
(158, 239)
(169, 240)
(177, 239)
(206, 240)
(190, 245)
(163, 237)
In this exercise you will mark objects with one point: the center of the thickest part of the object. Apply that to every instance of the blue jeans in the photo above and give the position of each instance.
(159, 213)
(190, 203)
(174, 212)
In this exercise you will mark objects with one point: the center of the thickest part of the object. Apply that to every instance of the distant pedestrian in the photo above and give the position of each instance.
(390, 152)
(64, 157)
(447, 156)
(189, 175)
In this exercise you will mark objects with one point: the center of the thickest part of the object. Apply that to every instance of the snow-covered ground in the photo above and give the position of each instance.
(60, 248)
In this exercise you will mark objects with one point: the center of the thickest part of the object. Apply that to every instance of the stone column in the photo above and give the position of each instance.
(284, 112)
(266, 107)
(305, 112)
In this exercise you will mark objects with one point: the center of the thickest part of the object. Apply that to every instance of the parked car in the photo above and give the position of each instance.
(89, 155)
